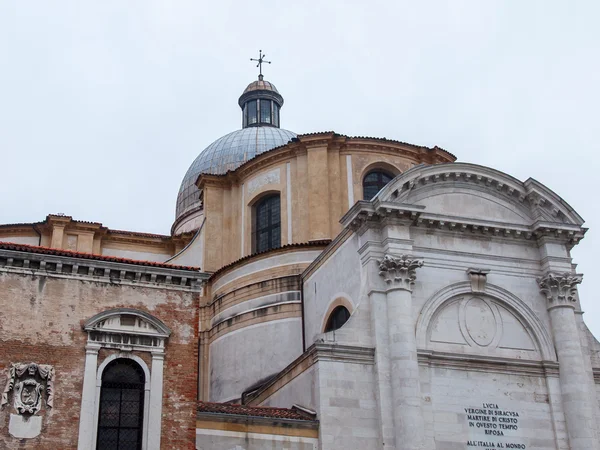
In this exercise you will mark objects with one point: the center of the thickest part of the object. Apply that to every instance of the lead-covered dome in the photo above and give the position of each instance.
(228, 153)
(261, 104)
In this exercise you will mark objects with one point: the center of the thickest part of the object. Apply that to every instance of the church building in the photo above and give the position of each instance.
(316, 292)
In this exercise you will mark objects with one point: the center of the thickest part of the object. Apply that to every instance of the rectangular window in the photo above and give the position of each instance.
(252, 112)
(275, 115)
(265, 111)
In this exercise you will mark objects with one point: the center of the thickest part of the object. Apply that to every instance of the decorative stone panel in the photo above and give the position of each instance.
(28, 383)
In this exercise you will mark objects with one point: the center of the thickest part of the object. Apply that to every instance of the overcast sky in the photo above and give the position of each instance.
(104, 105)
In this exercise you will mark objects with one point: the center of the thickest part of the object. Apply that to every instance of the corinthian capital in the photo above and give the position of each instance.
(559, 289)
(399, 271)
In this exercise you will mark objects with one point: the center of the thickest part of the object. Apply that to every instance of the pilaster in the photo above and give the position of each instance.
(399, 275)
(560, 292)
(87, 412)
(156, 397)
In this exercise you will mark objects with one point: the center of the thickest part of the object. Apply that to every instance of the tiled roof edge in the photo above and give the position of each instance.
(230, 409)
(92, 256)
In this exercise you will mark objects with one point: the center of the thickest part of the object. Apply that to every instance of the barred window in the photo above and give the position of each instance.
(121, 406)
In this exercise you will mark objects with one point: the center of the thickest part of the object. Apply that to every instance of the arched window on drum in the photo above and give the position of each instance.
(374, 181)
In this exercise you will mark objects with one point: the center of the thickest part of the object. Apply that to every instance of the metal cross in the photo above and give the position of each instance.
(260, 61)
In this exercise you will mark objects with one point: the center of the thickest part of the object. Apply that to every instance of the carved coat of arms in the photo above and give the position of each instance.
(28, 383)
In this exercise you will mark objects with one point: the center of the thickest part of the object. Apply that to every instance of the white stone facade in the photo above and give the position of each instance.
(463, 288)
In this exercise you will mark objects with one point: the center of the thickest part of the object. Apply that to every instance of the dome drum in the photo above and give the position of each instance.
(261, 104)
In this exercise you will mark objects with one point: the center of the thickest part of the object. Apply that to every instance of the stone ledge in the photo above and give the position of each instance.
(481, 363)
(37, 264)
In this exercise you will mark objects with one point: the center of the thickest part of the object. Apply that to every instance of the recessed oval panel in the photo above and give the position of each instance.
(480, 322)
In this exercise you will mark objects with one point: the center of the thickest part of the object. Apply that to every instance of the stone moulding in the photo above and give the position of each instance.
(127, 329)
(531, 321)
(100, 271)
(24, 382)
(550, 215)
(560, 289)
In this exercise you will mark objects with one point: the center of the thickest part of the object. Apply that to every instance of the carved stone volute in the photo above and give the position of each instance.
(400, 272)
(560, 289)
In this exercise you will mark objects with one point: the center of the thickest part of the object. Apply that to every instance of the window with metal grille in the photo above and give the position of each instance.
(373, 182)
(121, 406)
(267, 224)
(338, 317)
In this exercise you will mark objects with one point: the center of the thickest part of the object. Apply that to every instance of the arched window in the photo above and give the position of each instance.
(338, 317)
(374, 181)
(267, 224)
(121, 412)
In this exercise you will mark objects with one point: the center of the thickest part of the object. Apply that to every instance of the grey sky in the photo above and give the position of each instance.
(104, 105)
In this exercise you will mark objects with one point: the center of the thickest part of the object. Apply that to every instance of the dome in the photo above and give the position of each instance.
(228, 153)
(261, 85)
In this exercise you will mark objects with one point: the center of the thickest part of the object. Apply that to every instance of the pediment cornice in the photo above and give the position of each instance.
(543, 204)
(373, 214)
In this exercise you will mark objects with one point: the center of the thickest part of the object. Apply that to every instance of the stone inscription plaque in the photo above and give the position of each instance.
(492, 427)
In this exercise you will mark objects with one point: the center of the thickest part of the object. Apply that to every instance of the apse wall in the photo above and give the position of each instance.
(253, 325)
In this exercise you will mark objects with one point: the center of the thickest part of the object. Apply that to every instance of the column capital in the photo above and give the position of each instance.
(157, 354)
(92, 348)
(560, 288)
(399, 272)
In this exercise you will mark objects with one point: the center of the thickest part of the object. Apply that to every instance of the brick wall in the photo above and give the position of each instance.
(41, 320)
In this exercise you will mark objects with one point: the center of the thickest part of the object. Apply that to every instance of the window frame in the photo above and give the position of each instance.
(143, 386)
(329, 325)
(269, 228)
(379, 183)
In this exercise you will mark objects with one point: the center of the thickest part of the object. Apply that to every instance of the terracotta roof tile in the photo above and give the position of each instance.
(254, 411)
(69, 253)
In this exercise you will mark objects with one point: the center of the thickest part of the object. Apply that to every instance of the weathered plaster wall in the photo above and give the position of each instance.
(137, 254)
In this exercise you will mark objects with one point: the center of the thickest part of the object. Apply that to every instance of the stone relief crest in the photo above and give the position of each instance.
(28, 383)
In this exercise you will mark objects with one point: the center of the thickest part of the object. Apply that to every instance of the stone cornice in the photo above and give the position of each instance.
(481, 363)
(532, 195)
(345, 144)
(364, 214)
(37, 264)
(560, 289)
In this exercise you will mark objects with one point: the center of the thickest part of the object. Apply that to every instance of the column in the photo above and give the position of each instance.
(560, 290)
(87, 424)
(155, 408)
(399, 274)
